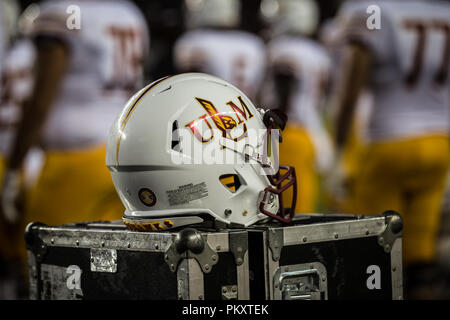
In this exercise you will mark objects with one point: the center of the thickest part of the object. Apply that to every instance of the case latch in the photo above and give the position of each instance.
(301, 282)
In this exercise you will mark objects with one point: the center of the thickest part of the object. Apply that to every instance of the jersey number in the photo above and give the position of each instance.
(128, 57)
(421, 28)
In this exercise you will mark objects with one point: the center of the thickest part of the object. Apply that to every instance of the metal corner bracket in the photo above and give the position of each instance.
(190, 244)
(238, 244)
(392, 231)
(275, 239)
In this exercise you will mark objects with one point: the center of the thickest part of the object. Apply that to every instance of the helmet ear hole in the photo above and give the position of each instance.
(231, 182)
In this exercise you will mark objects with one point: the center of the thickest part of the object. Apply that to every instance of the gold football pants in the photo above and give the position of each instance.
(297, 151)
(407, 176)
(74, 186)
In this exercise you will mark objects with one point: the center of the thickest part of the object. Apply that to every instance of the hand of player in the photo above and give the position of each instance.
(325, 153)
(11, 195)
(336, 181)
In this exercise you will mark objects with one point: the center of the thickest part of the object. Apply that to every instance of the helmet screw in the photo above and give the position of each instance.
(228, 212)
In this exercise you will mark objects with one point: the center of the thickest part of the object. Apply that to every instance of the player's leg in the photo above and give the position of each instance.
(297, 151)
(74, 186)
(352, 163)
(377, 188)
(340, 195)
(422, 222)
(424, 187)
(425, 179)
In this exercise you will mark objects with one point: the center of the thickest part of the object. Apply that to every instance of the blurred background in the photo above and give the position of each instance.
(166, 21)
(366, 91)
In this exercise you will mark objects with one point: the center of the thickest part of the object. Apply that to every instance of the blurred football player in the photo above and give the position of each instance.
(89, 61)
(340, 182)
(15, 88)
(9, 11)
(213, 45)
(299, 70)
(3, 39)
(16, 85)
(444, 234)
(405, 62)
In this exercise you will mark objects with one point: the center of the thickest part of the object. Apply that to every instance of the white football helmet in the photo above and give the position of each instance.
(193, 146)
(291, 16)
(212, 13)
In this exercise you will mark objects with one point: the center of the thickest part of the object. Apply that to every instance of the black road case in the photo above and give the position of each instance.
(106, 261)
(326, 256)
(317, 257)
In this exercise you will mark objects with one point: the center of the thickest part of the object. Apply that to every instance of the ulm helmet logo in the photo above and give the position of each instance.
(223, 122)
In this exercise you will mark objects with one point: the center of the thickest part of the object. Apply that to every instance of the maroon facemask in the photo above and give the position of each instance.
(283, 179)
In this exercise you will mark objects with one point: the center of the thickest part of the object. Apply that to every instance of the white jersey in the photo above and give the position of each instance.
(409, 78)
(16, 87)
(235, 56)
(3, 41)
(332, 36)
(309, 64)
(108, 41)
(17, 84)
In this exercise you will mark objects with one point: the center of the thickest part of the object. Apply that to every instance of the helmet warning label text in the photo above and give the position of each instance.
(187, 193)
